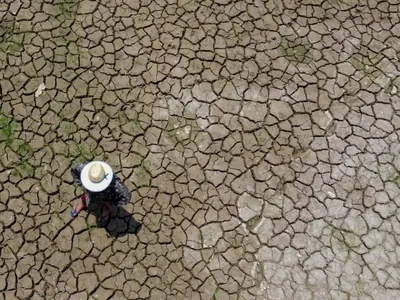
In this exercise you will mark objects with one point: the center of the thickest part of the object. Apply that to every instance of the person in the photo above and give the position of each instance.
(100, 185)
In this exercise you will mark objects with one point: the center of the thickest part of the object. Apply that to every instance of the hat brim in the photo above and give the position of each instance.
(96, 186)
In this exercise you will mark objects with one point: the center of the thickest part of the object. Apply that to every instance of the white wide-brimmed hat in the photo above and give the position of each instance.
(96, 176)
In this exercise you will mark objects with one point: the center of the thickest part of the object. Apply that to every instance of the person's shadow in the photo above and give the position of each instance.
(121, 222)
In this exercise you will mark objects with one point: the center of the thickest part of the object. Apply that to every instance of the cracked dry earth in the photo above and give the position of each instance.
(260, 140)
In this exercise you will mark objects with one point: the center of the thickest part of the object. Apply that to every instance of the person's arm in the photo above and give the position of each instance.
(124, 196)
(76, 172)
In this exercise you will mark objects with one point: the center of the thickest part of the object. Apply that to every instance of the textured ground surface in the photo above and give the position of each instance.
(260, 140)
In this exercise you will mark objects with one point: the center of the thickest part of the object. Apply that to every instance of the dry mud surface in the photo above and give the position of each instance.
(260, 140)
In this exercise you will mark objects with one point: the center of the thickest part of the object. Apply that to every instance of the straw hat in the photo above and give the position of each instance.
(96, 176)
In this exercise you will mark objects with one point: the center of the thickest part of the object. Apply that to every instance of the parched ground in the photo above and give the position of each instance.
(260, 140)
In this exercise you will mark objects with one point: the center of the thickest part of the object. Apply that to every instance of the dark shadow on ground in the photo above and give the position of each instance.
(121, 221)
